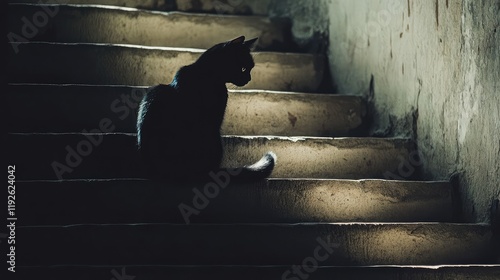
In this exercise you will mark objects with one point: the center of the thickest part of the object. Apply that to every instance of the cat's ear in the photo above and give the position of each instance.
(238, 41)
(250, 43)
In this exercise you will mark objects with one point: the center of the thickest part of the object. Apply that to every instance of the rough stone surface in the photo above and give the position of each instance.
(272, 201)
(100, 24)
(116, 156)
(440, 59)
(292, 114)
(254, 244)
(66, 108)
(395, 272)
(146, 66)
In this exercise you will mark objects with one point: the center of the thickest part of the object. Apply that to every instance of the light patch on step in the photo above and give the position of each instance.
(284, 93)
(435, 267)
(143, 47)
(293, 139)
(107, 7)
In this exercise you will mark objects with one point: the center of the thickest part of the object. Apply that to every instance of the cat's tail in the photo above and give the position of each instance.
(255, 172)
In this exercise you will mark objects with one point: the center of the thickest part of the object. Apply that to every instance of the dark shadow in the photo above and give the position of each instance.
(457, 205)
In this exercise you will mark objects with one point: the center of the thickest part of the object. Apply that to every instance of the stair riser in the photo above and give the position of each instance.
(283, 201)
(66, 109)
(78, 24)
(265, 273)
(254, 245)
(122, 65)
(115, 156)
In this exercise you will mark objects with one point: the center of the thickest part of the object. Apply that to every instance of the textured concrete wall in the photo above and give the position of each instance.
(436, 70)
(309, 21)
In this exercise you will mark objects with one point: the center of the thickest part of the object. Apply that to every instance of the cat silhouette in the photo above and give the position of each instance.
(178, 125)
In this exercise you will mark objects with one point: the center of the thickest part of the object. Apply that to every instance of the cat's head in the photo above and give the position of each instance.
(231, 60)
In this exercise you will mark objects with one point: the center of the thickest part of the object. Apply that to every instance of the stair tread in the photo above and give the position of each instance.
(275, 200)
(111, 64)
(78, 24)
(114, 155)
(65, 108)
(255, 244)
(386, 272)
(255, 7)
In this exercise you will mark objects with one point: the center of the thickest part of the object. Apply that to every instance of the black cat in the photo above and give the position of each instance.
(178, 126)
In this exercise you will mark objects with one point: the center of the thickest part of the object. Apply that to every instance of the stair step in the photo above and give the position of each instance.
(245, 7)
(65, 108)
(275, 201)
(106, 24)
(443, 272)
(256, 7)
(255, 244)
(161, 5)
(57, 63)
(114, 155)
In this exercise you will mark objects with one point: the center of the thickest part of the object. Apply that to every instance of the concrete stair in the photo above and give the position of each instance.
(114, 155)
(64, 109)
(73, 98)
(254, 244)
(248, 7)
(273, 201)
(78, 24)
(413, 272)
(107, 64)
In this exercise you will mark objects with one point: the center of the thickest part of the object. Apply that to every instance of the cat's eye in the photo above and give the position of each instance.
(243, 69)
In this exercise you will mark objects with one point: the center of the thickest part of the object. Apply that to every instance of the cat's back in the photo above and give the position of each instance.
(157, 97)
(157, 101)
(159, 93)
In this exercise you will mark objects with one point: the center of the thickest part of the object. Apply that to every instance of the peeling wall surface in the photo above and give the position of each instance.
(436, 71)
